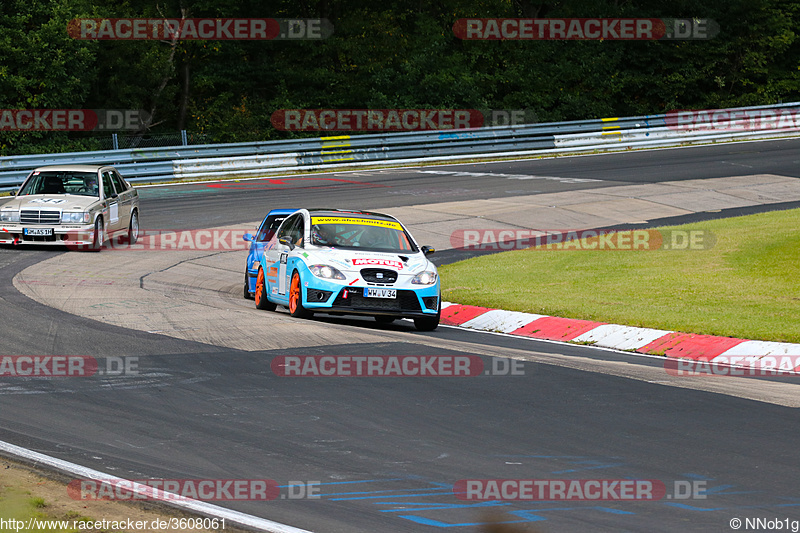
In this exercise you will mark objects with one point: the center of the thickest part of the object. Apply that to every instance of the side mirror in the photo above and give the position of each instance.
(286, 241)
(14, 193)
(115, 195)
(248, 237)
(428, 250)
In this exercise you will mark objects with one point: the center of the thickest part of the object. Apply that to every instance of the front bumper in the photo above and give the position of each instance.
(334, 298)
(63, 235)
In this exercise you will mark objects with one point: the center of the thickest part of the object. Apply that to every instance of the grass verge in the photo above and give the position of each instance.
(27, 494)
(746, 285)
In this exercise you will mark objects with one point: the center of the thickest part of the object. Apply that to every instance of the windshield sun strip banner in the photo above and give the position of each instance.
(357, 221)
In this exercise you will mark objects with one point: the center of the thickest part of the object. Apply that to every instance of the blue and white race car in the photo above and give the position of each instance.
(347, 262)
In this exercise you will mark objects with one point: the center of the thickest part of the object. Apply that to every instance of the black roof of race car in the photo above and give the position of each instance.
(334, 212)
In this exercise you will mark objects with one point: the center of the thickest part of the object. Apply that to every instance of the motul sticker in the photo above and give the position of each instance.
(379, 262)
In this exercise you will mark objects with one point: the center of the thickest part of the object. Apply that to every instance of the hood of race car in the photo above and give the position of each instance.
(353, 260)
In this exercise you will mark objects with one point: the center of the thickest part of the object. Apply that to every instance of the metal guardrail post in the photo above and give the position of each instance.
(184, 138)
(114, 141)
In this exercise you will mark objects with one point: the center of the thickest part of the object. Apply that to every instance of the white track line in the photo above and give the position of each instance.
(204, 508)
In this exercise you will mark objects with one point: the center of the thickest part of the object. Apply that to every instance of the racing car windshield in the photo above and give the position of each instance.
(361, 233)
(78, 183)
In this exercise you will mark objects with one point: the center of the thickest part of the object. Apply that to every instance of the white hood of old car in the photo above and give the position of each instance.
(64, 202)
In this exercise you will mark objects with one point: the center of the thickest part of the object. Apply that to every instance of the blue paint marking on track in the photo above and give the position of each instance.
(406, 501)
(380, 491)
(697, 476)
(527, 516)
(439, 506)
(393, 496)
(354, 482)
(532, 515)
(436, 523)
(723, 489)
(688, 507)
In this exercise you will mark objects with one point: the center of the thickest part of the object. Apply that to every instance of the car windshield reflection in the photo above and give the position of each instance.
(364, 237)
(77, 183)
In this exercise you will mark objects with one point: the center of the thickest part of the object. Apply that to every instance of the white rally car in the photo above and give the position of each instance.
(348, 262)
(78, 206)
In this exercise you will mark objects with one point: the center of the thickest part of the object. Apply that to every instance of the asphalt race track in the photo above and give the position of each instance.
(387, 451)
(197, 206)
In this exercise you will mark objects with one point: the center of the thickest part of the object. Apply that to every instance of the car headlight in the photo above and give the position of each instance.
(428, 277)
(326, 272)
(9, 216)
(74, 218)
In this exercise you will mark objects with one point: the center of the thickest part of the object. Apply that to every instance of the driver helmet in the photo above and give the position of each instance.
(319, 235)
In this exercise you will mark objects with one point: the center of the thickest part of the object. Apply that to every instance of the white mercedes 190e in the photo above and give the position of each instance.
(78, 206)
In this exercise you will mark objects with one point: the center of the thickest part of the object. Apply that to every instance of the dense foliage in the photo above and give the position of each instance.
(388, 54)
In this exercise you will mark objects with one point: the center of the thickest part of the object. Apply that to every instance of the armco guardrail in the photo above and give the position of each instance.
(270, 157)
(156, 163)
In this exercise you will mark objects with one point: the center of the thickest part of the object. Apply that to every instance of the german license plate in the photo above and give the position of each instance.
(38, 232)
(380, 293)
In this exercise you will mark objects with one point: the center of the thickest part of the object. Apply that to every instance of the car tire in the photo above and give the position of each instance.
(296, 308)
(133, 229)
(99, 236)
(382, 319)
(429, 323)
(247, 294)
(261, 293)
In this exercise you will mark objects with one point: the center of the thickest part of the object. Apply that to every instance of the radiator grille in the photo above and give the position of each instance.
(379, 275)
(405, 301)
(36, 216)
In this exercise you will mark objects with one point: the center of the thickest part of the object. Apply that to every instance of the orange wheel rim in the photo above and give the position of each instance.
(294, 293)
(259, 286)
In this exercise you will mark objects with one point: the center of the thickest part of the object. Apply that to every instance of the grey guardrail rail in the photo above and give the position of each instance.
(219, 160)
